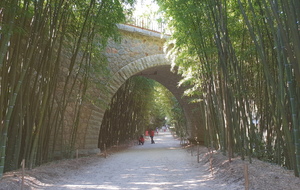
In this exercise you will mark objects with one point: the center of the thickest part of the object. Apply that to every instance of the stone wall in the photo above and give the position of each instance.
(134, 45)
(138, 50)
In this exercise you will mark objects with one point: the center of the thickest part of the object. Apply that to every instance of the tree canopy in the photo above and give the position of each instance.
(37, 39)
(242, 56)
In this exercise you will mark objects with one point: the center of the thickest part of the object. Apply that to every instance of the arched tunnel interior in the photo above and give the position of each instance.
(170, 80)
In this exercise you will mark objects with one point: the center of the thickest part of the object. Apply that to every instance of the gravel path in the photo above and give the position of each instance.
(160, 166)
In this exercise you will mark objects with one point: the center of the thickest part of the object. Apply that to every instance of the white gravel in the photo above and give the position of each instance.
(160, 166)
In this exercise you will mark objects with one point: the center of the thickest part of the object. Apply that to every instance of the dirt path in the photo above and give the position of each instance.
(163, 165)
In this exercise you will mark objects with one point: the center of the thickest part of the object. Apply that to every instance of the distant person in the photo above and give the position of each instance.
(141, 140)
(157, 130)
(151, 133)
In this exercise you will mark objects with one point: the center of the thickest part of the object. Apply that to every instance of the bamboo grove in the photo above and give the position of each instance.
(129, 113)
(37, 39)
(243, 58)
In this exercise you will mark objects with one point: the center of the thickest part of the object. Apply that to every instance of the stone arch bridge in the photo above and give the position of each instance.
(139, 53)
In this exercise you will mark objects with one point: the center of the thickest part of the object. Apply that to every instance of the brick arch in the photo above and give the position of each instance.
(91, 134)
(139, 52)
(133, 68)
(144, 67)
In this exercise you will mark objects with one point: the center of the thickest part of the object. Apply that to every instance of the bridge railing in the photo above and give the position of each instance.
(148, 24)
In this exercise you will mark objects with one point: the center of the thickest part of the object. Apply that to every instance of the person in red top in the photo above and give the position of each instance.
(141, 140)
(151, 133)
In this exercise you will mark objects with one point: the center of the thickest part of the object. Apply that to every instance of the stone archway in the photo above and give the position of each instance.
(155, 67)
(133, 68)
(140, 52)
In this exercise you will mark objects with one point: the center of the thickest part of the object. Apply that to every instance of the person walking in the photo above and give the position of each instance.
(151, 133)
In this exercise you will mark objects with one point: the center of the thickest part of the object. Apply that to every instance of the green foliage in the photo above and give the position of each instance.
(140, 104)
(169, 108)
(241, 58)
(50, 53)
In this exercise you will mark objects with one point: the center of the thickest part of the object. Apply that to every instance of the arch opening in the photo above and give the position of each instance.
(158, 68)
(139, 105)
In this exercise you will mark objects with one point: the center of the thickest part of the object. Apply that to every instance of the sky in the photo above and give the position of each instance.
(145, 7)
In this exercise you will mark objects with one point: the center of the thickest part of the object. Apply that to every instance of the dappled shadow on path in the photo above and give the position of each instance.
(163, 165)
